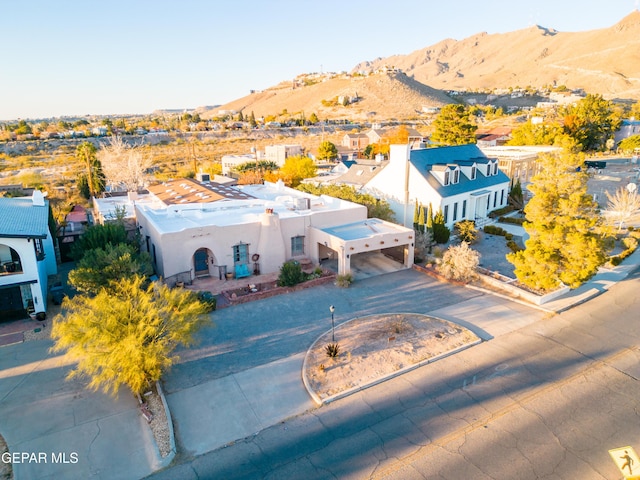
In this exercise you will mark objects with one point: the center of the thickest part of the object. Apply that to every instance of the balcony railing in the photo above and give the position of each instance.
(9, 268)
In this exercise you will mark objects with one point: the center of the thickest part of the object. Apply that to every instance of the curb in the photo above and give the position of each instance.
(164, 462)
(383, 378)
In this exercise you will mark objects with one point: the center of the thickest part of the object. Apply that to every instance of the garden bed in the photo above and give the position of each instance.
(258, 291)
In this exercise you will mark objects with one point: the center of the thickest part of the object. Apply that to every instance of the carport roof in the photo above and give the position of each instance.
(368, 228)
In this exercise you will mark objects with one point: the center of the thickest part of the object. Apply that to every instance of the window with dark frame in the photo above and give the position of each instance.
(297, 245)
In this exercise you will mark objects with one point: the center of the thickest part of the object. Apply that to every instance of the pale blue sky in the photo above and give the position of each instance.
(135, 56)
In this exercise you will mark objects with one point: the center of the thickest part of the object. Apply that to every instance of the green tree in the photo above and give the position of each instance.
(630, 144)
(429, 220)
(252, 120)
(126, 336)
(538, 134)
(441, 232)
(466, 231)
(591, 122)
(99, 236)
(516, 197)
(376, 208)
(564, 244)
(453, 126)
(327, 151)
(296, 169)
(421, 221)
(103, 267)
(86, 153)
(23, 128)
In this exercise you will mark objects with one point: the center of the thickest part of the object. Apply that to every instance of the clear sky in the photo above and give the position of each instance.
(68, 57)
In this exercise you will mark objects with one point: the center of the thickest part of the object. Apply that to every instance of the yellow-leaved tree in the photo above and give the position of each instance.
(126, 335)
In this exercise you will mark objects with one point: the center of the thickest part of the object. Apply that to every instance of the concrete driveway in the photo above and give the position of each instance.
(67, 431)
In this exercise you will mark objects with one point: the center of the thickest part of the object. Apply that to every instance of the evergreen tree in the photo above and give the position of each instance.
(564, 245)
(421, 222)
(252, 120)
(441, 232)
(429, 224)
(453, 126)
(416, 215)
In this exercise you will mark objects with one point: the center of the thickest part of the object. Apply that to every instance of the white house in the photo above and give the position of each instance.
(193, 230)
(460, 180)
(27, 255)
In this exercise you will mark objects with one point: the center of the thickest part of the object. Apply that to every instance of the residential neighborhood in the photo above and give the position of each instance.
(424, 266)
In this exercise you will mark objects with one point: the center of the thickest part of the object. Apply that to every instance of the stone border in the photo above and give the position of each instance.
(164, 462)
(383, 378)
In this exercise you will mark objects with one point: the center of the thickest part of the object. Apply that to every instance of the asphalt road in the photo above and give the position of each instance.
(546, 401)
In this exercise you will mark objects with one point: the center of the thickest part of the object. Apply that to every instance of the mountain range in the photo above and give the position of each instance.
(604, 61)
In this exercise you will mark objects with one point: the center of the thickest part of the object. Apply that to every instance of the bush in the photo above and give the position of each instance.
(508, 236)
(344, 280)
(208, 299)
(513, 246)
(332, 350)
(290, 274)
(501, 211)
(441, 233)
(494, 230)
(466, 231)
(512, 220)
(459, 263)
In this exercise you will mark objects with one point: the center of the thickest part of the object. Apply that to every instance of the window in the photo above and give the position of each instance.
(155, 259)
(39, 248)
(456, 176)
(148, 247)
(495, 199)
(446, 177)
(455, 211)
(240, 254)
(473, 172)
(464, 209)
(488, 201)
(297, 245)
(495, 168)
(446, 213)
(488, 169)
(502, 197)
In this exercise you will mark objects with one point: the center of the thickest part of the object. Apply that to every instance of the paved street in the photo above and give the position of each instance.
(548, 399)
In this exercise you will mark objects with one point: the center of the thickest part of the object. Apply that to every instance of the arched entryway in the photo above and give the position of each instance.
(203, 261)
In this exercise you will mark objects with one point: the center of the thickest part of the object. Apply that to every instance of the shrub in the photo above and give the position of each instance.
(290, 274)
(332, 350)
(344, 280)
(494, 230)
(459, 263)
(513, 246)
(466, 231)
(441, 233)
(208, 299)
(508, 236)
(501, 211)
(512, 220)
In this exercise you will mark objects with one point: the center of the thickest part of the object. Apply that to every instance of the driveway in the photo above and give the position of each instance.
(68, 431)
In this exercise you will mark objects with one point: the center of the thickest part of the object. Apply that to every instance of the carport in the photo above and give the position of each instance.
(371, 244)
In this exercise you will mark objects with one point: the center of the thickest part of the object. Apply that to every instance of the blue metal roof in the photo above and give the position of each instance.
(20, 218)
(463, 155)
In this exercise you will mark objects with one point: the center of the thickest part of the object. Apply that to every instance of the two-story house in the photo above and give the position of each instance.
(27, 256)
(461, 181)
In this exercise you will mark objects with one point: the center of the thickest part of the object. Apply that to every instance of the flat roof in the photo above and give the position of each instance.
(368, 228)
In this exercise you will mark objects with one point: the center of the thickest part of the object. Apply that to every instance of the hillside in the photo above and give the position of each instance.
(605, 61)
(384, 95)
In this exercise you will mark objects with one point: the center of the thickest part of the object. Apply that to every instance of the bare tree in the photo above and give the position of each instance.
(623, 205)
(460, 263)
(124, 164)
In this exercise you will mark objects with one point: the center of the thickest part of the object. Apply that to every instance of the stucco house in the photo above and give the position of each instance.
(27, 255)
(460, 180)
(194, 229)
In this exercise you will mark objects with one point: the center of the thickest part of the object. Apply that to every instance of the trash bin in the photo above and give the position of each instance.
(222, 272)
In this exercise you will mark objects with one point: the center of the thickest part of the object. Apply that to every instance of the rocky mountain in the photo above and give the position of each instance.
(383, 95)
(605, 61)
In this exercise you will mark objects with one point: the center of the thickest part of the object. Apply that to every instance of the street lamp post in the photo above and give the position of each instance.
(333, 328)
